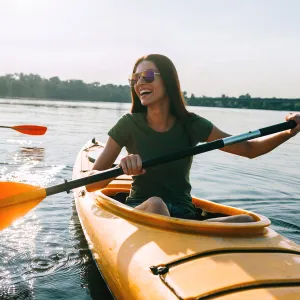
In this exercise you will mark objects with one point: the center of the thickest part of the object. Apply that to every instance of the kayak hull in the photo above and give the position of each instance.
(147, 256)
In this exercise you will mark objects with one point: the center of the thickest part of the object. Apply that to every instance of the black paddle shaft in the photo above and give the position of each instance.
(217, 144)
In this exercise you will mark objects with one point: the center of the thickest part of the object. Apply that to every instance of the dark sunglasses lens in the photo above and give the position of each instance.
(148, 76)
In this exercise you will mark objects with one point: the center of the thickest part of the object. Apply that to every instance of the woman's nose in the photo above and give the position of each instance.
(140, 79)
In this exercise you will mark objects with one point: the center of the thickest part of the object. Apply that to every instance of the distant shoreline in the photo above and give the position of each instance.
(253, 103)
(33, 87)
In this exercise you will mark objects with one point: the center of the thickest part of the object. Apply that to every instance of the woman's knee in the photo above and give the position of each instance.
(233, 219)
(156, 203)
(244, 218)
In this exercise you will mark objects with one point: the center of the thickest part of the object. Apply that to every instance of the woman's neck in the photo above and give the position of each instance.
(160, 120)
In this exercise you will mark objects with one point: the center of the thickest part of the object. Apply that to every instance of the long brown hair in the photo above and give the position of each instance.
(170, 79)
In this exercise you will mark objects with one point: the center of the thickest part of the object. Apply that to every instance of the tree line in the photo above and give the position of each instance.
(32, 86)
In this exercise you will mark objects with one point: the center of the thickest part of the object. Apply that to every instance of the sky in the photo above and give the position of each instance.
(230, 47)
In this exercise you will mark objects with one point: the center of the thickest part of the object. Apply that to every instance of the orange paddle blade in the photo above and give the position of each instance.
(30, 129)
(16, 200)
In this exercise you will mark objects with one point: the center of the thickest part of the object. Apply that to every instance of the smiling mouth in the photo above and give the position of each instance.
(145, 92)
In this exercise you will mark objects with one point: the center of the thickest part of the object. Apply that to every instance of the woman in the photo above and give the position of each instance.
(160, 124)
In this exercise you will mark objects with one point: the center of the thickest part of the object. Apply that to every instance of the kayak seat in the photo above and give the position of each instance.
(121, 197)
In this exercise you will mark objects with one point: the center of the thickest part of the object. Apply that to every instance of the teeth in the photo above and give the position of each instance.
(145, 91)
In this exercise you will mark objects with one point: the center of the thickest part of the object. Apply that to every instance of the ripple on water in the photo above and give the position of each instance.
(52, 262)
(18, 291)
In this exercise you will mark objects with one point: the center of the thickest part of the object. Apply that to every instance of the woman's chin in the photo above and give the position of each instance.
(145, 102)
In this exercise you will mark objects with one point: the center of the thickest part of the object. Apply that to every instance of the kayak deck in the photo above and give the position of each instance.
(148, 256)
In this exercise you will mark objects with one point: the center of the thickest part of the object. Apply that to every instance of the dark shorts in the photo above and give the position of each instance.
(175, 211)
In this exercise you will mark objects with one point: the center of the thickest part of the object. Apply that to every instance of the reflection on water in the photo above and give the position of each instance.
(17, 246)
(32, 153)
(89, 273)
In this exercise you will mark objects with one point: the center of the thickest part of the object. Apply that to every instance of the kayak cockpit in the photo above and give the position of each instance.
(113, 197)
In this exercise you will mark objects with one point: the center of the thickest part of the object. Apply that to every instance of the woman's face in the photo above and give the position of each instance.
(153, 92)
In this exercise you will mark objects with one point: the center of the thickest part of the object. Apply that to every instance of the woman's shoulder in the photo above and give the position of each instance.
(192, 117)
(199, 127)
(130, 121)
(133, 116)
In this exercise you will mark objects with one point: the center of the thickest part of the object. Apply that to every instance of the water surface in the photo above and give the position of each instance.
(45, 256)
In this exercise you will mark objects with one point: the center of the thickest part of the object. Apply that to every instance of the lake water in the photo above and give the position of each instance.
(45, 256)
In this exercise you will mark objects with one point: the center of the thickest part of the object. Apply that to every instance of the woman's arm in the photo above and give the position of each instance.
(259, 146)
(104, 162)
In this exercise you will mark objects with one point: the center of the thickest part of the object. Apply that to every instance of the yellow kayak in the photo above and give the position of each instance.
(148, 256)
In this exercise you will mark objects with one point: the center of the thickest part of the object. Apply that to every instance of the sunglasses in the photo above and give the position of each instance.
(148, 76)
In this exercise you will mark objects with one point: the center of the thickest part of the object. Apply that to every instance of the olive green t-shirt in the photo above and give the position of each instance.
(169, 181)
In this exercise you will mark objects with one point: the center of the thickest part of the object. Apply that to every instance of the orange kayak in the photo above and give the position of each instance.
(147, 256)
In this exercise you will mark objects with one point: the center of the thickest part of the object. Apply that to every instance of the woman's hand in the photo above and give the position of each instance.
(132, 165)
(296, 118)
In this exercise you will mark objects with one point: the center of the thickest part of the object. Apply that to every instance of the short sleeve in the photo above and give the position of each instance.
(199, 128)
(121, 131)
